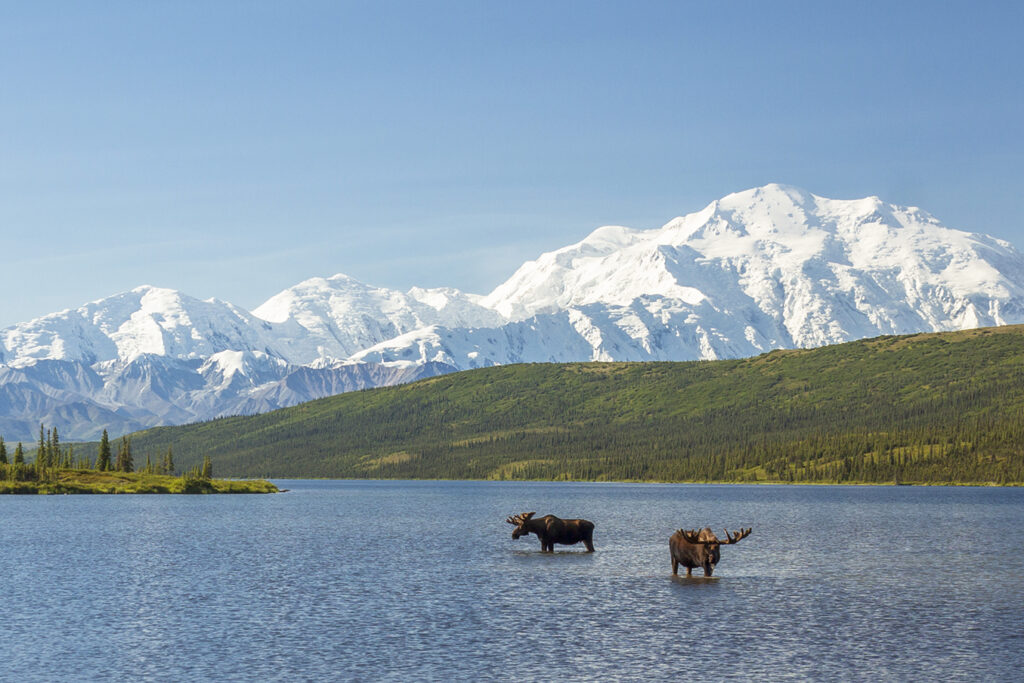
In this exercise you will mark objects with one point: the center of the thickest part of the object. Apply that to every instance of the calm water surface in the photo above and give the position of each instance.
(350, 580)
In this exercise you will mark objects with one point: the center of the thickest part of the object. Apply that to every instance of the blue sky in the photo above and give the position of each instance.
(232, 149)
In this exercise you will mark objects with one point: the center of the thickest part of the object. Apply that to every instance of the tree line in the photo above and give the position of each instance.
(52, 457)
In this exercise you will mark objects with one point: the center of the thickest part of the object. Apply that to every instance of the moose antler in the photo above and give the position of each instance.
(690, 536)
(693, 536)
(520, 518)
(739, 536)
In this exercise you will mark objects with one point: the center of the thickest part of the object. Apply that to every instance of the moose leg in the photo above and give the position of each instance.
(689, 571)
(675, 567)
(590, 545)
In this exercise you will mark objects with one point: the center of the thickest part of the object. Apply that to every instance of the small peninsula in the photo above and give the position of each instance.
(57, 470)
(93, 481)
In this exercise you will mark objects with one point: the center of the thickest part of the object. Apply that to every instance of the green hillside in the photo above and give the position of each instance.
(923, 408)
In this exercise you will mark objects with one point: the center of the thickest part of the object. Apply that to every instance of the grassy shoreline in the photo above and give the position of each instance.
(91, 481)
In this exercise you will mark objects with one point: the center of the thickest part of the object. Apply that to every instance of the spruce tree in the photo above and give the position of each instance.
(127, 463)
(168, 464)
(3, 452)
(19, 455)
(103, 458)
(55, 455)
(207, 472)
(41, 450)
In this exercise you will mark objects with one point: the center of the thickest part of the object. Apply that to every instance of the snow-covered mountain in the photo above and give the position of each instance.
(799, 270)
(341, 316)
(772, 267)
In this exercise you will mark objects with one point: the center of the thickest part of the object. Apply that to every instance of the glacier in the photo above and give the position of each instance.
(767, 268)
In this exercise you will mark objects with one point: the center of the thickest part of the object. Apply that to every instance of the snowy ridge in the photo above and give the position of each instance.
(341, 316)
(771, 267)
(146, 320)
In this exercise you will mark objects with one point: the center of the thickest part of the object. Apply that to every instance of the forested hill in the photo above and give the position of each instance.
(943, 407)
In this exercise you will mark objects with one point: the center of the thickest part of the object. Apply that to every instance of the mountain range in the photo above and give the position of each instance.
(771, 267)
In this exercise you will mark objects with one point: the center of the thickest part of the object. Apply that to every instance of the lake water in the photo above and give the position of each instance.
(354, 580)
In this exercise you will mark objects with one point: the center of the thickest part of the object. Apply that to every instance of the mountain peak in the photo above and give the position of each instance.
(147, 289)
(771, 191)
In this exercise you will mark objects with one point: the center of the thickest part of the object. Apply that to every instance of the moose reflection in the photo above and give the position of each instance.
(551, 530)
(692, 549)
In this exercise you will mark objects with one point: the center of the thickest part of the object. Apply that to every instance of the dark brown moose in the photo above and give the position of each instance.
(551, 530)
(692, 549)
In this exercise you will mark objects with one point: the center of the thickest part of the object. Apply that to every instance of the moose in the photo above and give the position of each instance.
(692, 549)
(551, 530)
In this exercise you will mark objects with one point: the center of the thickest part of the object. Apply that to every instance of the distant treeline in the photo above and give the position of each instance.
(930, 408)
(51, 457)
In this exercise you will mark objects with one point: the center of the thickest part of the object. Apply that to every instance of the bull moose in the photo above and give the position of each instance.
(551, 530)
(692, 549)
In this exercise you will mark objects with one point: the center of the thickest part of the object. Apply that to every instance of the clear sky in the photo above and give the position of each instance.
(232, 149)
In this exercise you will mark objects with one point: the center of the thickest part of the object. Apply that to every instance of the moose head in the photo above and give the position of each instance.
(520, 521)
(700, 549)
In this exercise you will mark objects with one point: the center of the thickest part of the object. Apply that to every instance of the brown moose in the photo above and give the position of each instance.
(551, 530)
(692, 549)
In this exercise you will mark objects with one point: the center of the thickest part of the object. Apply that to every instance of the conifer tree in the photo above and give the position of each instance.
(41, 450)
(168, 464)
(19, 455)
(103, 458)
(3, 452)
(55, 454)
(124, 462)
(207, 472)
(127, 463)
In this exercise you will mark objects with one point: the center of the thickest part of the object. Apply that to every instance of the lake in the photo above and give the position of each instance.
(372, 580)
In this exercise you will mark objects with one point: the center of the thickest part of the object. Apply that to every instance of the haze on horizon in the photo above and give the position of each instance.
(232, 150)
